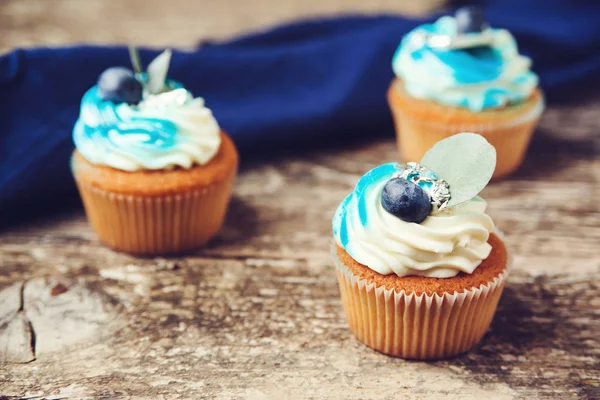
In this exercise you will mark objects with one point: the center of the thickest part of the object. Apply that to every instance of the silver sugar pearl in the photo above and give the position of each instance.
(460, 41)
(439, 189)
(440, 194)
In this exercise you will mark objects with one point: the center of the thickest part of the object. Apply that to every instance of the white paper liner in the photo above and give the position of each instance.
(417, 327)
(415, 135)
(154, 225)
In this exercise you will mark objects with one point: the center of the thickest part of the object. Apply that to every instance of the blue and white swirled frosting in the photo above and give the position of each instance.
(444, 244)
(475, 78)
(152, 135)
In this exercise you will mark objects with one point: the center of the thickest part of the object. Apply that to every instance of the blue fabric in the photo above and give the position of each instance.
(302, 84)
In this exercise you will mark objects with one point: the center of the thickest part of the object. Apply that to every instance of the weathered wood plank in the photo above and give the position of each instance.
(150, 23)
(16, 336)
(257, 313)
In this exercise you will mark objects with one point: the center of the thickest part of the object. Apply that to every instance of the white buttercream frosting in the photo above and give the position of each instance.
(444, 244)
(475, 78)
(153, 135)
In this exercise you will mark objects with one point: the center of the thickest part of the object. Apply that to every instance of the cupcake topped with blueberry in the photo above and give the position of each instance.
(461, 61)
(133, 120)
(411, 240)
(422, 219)
(459, 74)
(152, 165)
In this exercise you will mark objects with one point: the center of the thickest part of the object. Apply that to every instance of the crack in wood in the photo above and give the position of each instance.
(31, 330)
(17, 341)
(21, 296)
(33, 339)
(49, 314)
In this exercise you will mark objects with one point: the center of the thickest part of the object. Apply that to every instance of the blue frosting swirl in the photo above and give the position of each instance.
(158, 133)
(340, 227)
(475, 78)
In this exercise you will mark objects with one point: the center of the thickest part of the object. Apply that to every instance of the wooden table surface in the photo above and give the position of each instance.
(257, 314)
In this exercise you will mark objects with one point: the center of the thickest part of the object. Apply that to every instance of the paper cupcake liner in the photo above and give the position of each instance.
(417, 327)
(416, 135)
(154, 225)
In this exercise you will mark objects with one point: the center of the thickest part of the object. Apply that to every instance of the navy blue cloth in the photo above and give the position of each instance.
(305, 83)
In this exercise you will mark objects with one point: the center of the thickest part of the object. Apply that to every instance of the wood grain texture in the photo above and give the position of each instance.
(257, 313)
(176, 23)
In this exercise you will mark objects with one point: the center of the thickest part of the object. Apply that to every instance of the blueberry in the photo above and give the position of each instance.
(119, 85)
(470, 19)
(405, 200)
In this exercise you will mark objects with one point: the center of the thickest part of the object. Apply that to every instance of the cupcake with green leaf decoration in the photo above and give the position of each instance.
(154, 169)
(419, 263)
(459, 74)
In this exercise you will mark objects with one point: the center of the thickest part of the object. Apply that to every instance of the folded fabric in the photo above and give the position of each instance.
(305, 83)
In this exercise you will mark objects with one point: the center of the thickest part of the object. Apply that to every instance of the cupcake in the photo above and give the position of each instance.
(458, 75)
(419, 264)
(154, 170)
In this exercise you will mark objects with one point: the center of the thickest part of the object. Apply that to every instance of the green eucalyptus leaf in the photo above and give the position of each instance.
(157, 72)
(466, 161)
(136, 61)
